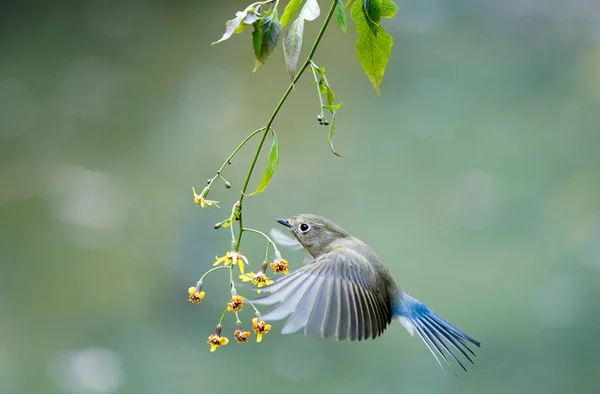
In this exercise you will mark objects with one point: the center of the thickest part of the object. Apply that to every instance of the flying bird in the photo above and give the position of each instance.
(344, 291)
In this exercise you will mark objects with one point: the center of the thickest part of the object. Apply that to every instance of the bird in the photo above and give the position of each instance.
(344, 291)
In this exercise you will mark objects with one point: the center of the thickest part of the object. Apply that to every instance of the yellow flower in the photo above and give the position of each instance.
(241, 336)
(196, 298)
(259, 279)
(260, 328)
(201, 200)
(236, 304)
(280, 265)
(234, 258)
(215, 341)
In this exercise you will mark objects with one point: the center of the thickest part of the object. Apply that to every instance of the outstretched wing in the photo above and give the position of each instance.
(334, 295)
(283, 239)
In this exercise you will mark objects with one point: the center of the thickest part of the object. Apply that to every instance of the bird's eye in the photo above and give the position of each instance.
(304, 227)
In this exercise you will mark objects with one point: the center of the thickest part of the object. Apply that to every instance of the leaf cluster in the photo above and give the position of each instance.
(373, 46)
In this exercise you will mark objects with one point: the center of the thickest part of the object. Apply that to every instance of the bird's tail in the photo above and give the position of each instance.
(439, 335)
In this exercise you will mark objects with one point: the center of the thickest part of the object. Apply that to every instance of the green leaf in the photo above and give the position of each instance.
(240, 22)
(292, 43)
(233, 26)
(240, 29)
(325, 89)
(251, 17)
(373, 49)
(340, 16)
(272, 164)
(310, 11)
(333, 107)
(248, 20)
(227, 222)
(388, 9)
(349, 4)
(373, 9)
(320, 70)
(265, 37)
(289, 11)
(330, 136)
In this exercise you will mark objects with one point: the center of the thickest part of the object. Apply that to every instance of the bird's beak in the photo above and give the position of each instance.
(285, 222)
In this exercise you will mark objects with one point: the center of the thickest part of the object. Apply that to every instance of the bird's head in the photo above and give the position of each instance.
(314, 232)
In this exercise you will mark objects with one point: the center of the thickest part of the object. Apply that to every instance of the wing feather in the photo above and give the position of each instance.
(334, 295)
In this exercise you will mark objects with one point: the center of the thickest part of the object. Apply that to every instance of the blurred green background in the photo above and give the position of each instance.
(476, 177)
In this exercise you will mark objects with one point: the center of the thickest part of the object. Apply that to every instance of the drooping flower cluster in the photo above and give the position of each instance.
(236, 303)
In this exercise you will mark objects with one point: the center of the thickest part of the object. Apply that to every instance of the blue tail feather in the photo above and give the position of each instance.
(438, 335)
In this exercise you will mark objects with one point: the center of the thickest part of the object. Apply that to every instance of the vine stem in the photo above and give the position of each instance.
(312, 67)
(210, 271)
(251, 230)
(251, 304)
(267, 128)
(222, 317)
(269, 241)
(218, 175)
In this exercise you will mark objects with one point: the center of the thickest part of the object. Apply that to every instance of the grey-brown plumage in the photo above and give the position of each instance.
(340, 292)
(345, 292)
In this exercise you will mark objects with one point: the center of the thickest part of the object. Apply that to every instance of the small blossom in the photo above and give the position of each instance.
(201, 200)
(195, 297)
(259, 279)
(280, 265)
(215, 341)
(241, 336)
(236, 304)
(234, 258)
(260, 328)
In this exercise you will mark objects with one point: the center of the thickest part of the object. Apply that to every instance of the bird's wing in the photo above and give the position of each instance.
(282, 239)
(332, 296)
